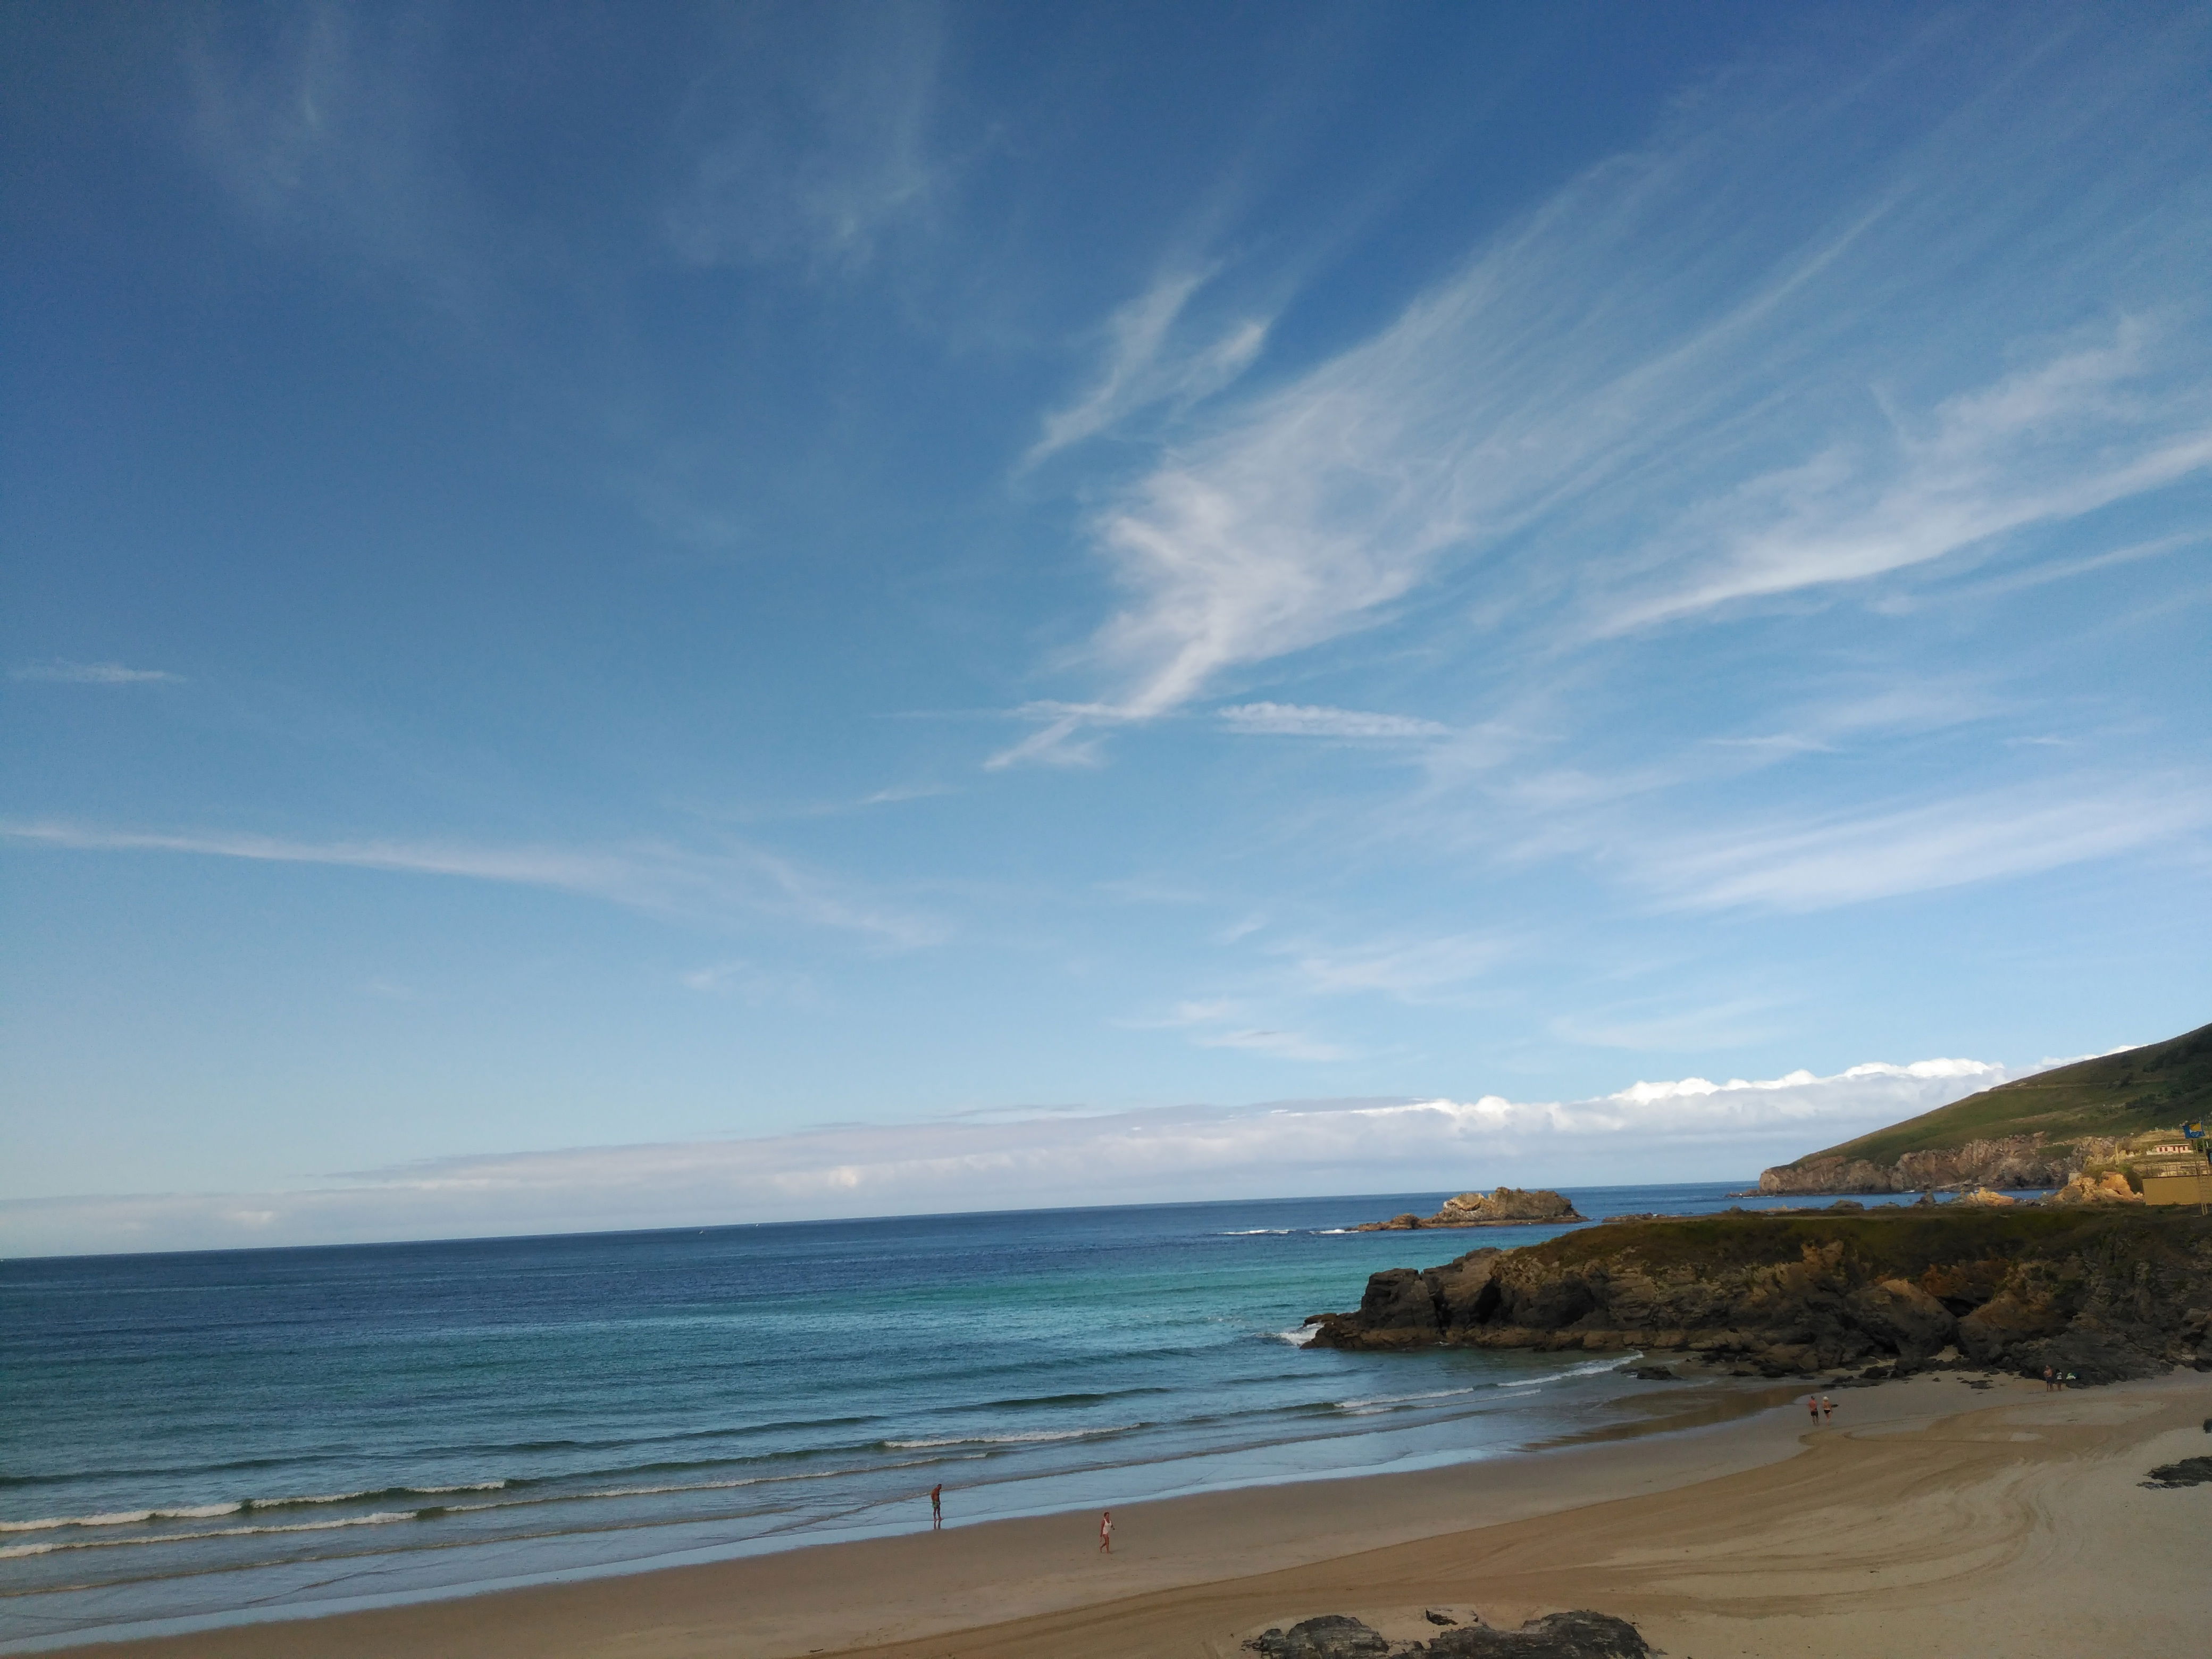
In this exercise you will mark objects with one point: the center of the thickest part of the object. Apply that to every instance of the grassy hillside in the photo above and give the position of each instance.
(2154, 1087)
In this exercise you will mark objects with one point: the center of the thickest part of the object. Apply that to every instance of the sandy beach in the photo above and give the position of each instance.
(1931, 1515)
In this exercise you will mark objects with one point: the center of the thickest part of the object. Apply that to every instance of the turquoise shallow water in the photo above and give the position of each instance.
(189, 1439)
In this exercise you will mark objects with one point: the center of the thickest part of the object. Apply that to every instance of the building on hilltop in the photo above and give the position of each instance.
(2169, 1169)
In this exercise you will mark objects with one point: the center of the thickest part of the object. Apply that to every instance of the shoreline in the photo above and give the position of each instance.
(1514, 1534)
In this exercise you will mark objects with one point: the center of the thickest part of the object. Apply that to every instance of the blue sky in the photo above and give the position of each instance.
(766, 576)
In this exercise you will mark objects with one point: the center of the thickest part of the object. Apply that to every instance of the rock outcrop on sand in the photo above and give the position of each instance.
(2189, 1472)
(2105, 1291)
(1509, 1206)
(1579, 1635)
(2110, 1188)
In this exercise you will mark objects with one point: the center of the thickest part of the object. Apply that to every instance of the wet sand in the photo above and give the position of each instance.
(1929, 1516)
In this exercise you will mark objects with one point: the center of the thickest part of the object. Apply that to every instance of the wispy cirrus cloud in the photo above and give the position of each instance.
(1900, 704)
(1694, 380)
(1303, 721)
(2052, 442)
(717, 888)
(61, 672)
(1056, 742)
(1849, 858)
(1143, 365)
(1675, 1127)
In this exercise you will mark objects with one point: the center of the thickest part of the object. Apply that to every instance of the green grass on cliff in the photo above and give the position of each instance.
(2154, 1087)
(1902, 1241)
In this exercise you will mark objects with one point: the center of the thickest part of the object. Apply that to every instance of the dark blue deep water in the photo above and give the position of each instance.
(186, 1439)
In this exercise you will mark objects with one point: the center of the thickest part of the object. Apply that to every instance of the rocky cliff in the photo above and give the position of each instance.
(2013, 1162)
(2107, 1291)
(1509, 1206)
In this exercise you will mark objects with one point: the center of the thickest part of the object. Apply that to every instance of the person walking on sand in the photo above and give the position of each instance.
(1827, 1406)
(1813, 1406)
(2049, 1379)
(937, 1505)
(1106, 1531)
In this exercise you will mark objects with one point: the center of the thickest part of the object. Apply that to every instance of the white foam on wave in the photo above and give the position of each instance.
(732, 1486)
(376, 1492)
(1588, 1368)
(243, 1506)
(1388, 1402)
(1252, 1232)
(386, 1515)
(378, 1519)
(122, 1517)
(1297, 1336)
(1008, 1439)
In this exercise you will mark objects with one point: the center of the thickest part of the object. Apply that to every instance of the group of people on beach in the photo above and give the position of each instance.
(2054, 1379)
(937, 1519)
(1820, 1405)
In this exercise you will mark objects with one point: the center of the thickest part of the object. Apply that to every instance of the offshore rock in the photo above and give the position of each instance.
(1508, 1207)
(2107, 1291)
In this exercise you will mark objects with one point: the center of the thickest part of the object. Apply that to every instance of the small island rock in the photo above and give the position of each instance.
(1509, 1206)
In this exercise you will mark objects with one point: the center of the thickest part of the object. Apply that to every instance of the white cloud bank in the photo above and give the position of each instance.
(1687, 1129)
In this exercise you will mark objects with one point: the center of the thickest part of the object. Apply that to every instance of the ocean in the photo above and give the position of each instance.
(193, 1440)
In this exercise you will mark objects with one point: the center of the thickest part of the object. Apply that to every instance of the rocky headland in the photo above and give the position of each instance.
(2106, 1291)
(2041, 1131)
(1509, 1206)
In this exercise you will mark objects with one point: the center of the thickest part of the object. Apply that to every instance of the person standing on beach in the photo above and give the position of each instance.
(1827, 1406)
(937, 1505)
(1813, 1406)
(1106, 1531)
